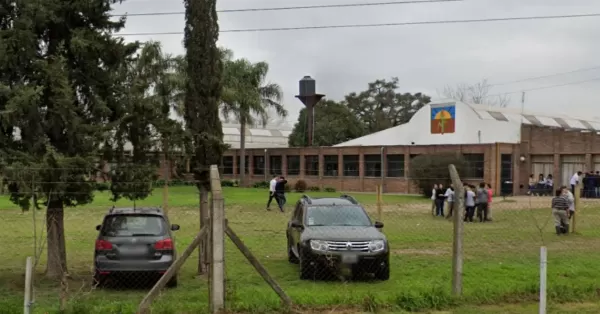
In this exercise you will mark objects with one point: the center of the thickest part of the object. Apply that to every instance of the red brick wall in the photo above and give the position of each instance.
(534, 141)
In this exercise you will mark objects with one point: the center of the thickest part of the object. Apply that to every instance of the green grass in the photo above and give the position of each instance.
(501, 259)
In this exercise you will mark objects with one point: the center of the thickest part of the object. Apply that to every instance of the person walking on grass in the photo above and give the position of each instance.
(560, 207)
(280, 192)
(433, 198)
(482, 203)
(450, 197)
(272, 185)
(570, 200)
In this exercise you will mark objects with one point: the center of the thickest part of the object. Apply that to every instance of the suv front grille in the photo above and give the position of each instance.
(356, 246)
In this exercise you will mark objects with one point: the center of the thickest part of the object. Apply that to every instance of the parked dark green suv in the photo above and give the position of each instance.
(134, 244)
(336, 233)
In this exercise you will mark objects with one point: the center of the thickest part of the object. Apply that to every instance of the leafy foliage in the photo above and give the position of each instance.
(203, 88)
(334, 124)
(300, 186)
(431, 169)
(381, 106)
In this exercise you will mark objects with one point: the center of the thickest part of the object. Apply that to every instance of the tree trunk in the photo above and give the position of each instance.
(243, 153)
(55, 229)
(204, 220)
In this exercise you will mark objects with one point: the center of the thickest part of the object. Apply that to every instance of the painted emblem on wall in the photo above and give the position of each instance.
(443, 119)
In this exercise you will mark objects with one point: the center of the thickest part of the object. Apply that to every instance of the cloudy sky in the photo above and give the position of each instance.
(424, 57)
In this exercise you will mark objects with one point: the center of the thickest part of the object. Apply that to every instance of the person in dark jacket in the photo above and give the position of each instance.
(440, 197)
(280, 192)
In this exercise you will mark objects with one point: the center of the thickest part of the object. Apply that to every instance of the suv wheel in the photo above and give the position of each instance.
(307, 271)
(383, 273)
(292, 258)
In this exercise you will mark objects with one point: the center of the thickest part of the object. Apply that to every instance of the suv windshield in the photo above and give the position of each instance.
(133, 225)
(336, 215)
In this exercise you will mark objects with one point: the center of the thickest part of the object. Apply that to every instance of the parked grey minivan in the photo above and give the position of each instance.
(134, 243)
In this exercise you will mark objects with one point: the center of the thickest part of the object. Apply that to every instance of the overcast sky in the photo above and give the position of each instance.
(424, 57)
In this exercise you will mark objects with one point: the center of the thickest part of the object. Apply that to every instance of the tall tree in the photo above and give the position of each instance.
(248, 98)
(152, 82)
(478, 93)
(202, 97)
(334, 124)
(60, 93)
(381, 106)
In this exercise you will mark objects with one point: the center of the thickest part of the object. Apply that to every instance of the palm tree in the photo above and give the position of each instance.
(248, 97)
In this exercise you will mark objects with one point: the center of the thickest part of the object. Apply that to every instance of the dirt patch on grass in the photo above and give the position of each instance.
(428, 251)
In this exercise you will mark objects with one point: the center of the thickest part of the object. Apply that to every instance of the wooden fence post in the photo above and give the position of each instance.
(217, 245)
(457, 247)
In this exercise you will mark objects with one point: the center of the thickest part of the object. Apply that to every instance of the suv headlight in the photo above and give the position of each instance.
(319, 245)
(376, 245)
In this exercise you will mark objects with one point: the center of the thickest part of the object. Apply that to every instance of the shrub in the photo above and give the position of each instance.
(227, 183)
(314, 189)
(329, 189)
(288, 188)
(300, 186)
(430, 169)
(261, 185)
(102, 186)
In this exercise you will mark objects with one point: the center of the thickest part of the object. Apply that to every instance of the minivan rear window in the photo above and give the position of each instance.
(133, 226)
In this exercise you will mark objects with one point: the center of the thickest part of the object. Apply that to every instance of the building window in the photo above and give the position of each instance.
(259, 165)
(275, 165)
(351, 165)
(372, 166)
(542, 165)
(228, 165)
(571, 164)
(293, 165)
(475, 165)
(330, 165)
(247, 165)
(395, 166)
(311, 165)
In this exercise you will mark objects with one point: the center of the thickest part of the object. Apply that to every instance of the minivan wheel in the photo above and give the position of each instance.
(172, 283)
(292, 258)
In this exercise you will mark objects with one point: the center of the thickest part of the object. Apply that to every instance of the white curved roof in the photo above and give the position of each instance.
(537, 119)
(268, 137)
(473, 124)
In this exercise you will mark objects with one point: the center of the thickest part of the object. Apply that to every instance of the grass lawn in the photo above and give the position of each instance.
(501, 259)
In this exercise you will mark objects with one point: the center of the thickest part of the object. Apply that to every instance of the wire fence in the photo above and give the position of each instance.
(314, 243)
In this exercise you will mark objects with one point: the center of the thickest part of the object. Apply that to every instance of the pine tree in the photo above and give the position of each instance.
(201, 105)
(61, 92)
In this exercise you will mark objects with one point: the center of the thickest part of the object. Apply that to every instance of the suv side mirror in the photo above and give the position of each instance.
(296, 224)
(98, 227)
(378, 225)
(175, 227)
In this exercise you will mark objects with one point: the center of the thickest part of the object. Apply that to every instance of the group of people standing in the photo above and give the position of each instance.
(277, 192)
(477, 200)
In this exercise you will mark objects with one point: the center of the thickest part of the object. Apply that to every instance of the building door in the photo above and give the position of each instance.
(506, 174)
(570, 164)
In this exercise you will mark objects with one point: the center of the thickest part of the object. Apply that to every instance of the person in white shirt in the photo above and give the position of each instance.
(450, 199)
(272, 195)
(575, 180)
(433, 192)
(570, 199)
(469, 203)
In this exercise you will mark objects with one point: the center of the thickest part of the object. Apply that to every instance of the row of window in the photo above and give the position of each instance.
(350, 165)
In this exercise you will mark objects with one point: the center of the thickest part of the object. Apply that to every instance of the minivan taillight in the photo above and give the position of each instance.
(103, 245)
(164, 245)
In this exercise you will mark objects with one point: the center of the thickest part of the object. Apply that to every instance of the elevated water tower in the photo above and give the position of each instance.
(309, 98)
